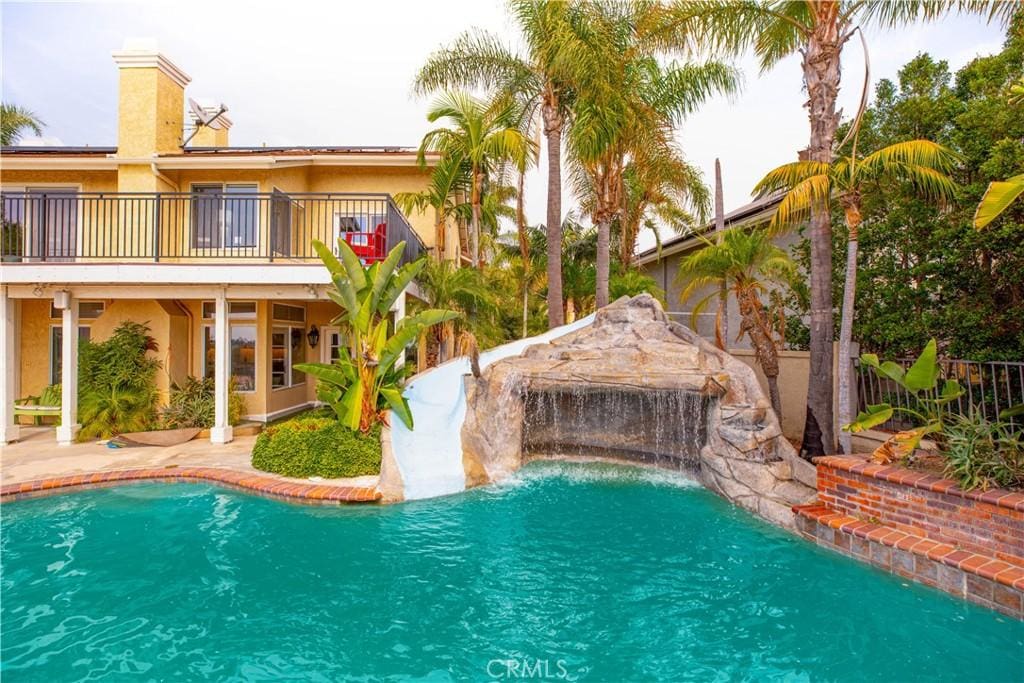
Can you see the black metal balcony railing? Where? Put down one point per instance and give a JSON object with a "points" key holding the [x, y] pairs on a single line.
{"points": [[81, 227]]}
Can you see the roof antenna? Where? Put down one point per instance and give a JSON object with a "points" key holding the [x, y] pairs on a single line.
{"points": [[203, 117]]}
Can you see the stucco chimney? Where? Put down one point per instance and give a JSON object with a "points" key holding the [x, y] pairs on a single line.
{"points": [[151, 100]]}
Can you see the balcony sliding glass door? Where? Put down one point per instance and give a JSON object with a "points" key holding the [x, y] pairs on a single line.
{"points": [[225, 216]]}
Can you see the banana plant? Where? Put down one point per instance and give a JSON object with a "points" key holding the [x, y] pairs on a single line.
{"points": [[920, 380], [364, 381]]}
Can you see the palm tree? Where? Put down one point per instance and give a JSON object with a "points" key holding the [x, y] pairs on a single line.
{"points": [[625, 110], [811, 185], [463, 290], [14, 121], [448, 182], [746, 263], [483, 136], [540, 78], [817, 30]]}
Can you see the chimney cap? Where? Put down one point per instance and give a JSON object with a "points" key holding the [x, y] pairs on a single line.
{"points": [[142, 53]]}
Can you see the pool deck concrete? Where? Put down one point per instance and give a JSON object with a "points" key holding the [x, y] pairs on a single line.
{"points": [[37, 465]]}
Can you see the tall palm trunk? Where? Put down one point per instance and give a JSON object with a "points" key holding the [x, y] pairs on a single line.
{"points": [[439, 236], [474, 227], [553, 132], [821, 69], [851, 206], [755, 324], [604, 226], [722, 319]]}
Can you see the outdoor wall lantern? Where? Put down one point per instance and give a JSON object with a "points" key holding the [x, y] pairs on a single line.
{"points": [[313, 336]]}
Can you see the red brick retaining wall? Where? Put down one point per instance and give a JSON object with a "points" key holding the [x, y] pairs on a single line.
{"points": [[987, 522], [266, 485]]}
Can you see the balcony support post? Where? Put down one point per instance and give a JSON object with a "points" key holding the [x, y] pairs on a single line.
{"points": [[221, 431], [68, 429], [9, 359]]}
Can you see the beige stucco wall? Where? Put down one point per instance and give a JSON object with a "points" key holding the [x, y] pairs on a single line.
{"points": [[794, 376]]}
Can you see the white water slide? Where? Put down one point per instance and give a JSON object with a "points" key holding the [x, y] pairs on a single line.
{"points": [[430, 456]]}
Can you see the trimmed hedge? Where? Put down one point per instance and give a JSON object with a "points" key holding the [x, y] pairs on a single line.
{"points": [[316, 447]]}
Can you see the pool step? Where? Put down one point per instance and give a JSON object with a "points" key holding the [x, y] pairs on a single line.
{"points": [[985, 580]]}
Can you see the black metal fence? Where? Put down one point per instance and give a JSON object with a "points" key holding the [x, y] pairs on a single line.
{"points": [[989, 386], [218, 222]]}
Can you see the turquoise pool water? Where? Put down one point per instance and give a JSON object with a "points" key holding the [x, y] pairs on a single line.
{"points": [[570, 572]]}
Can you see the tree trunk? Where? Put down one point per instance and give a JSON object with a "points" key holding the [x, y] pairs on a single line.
{"points": [[474, 227], [846, 323], [767, 355], [773, 396], [553, 133], [723, 292], [526, 308], [821, 69], [439, 236], [603, 262], [524, 243]]}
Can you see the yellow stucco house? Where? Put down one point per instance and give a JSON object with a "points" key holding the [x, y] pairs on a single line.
{"points": [[208, 244]]}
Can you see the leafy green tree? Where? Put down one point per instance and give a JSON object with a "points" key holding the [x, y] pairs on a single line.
{"points": [[925, 271], [625, 110], [15, 121], [117, 391], [817, 30], [465, 291], [481, 135], [747, 263], [365, 376], [448, 181], [813, 184], [540, 78]]}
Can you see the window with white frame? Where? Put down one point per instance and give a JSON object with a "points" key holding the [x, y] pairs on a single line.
{"points": [[87, 310], [287, 346], [225, 215], [242, 334]]}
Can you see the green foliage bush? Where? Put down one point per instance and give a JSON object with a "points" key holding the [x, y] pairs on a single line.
{"points": [[317, 447], [925, 271], [117, 383], [192, 404], [981, 453]]}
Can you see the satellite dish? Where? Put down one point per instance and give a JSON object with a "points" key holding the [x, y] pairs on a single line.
{"points": [[203, 117]]}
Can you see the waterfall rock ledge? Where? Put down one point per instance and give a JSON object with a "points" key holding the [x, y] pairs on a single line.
{"points": [[636, 386]]}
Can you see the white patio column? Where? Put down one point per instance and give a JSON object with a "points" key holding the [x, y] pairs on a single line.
{"points": [[221, 431], [68, 429], [9, 355]]}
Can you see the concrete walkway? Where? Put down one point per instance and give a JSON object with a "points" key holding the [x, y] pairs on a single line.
{"points": [[38, 457]]}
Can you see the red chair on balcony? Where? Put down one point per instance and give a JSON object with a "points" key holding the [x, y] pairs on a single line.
{"points": [[370, 247]]}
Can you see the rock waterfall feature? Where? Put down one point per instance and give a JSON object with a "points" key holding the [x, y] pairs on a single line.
{"points": [[635, 386]]}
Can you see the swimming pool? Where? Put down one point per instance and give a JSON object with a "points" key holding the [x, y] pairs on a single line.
{"points": [[567, 572]]}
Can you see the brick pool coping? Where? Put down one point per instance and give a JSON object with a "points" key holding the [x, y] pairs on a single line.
{"points": [[260, 484], [920, 480], [921, 527]]}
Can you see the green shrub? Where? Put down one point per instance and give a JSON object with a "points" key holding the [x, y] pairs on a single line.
{"points": [[191, 404], [117, 383], [317, 447], [982, 453]]}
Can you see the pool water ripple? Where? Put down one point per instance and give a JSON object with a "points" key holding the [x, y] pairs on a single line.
{"points": [[602, 572]]}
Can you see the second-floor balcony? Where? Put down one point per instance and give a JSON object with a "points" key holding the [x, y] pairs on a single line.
{"points": [[209, 224]]}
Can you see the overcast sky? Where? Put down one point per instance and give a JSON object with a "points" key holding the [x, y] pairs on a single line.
{"points": [[339, 73]]}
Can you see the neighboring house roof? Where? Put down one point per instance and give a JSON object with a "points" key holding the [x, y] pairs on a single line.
{"points": [[759, 209], [58, 151]]}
